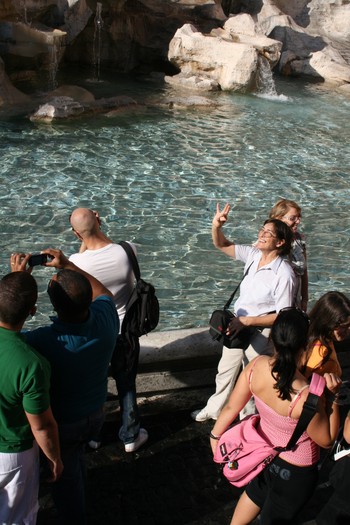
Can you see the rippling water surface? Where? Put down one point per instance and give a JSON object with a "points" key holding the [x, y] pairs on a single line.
{"points": [[155, 177]]}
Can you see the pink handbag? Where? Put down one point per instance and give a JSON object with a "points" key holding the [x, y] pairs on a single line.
{"points": [[245, 452]]}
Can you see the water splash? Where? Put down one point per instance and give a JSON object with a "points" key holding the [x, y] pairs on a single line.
{"points": [[265, 84], [23, 7], [96, 48], [53, 64]]}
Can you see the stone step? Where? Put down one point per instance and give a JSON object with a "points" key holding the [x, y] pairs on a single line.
{"points": [[175, 359]]}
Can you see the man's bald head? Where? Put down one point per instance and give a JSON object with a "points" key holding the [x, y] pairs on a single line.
{"points": [[84, 222]]}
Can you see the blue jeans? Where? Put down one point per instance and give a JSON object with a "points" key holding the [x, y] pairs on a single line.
{"points": [[68, 492], [124, 370]]}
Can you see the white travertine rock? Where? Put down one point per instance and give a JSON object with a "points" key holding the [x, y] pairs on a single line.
{"points": [[229, 59], [64, 107], [308, 50], [192, 82], [57, 108], [232, 65], [344, 89], [242, 24], [322, 65]]}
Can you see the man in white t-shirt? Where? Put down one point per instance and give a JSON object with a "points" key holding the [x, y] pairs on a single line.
{"points": [[109, 263]]}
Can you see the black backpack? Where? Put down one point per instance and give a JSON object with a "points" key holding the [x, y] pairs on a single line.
{"points": [[142, 308]]}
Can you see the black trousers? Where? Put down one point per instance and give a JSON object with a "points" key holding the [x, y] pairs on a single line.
{"points": [[337, 509]]}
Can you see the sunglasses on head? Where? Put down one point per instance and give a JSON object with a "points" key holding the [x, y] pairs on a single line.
{"points": [[295, 309]]}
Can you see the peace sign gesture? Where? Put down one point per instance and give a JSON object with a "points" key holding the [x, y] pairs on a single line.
{"points": [[220, 217]]}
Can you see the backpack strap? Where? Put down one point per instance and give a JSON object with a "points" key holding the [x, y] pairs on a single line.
{"points": [[132, 259], [315, 391]]}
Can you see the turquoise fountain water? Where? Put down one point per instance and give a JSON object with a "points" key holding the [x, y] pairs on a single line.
{"points": [[155, 177]]}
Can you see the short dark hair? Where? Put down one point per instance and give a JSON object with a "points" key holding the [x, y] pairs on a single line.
{"points": [[289, 335], [283, 233], [70, 293], [18, 295]]}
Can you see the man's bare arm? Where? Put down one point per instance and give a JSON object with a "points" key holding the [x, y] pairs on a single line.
{"points": [[45, 432]]}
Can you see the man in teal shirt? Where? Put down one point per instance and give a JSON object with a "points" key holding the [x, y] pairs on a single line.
{"points": [[78, 344]]}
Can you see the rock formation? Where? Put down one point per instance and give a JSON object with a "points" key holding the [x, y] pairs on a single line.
{"points": [[226, 56], [211, 44], [309, 39], [315, 37], [60, 106]]}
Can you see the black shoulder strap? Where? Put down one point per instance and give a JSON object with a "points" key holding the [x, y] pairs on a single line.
{"points": [[227, 305], [132, 259], [307, 414]]}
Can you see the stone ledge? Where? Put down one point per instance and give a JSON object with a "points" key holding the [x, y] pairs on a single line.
{"points": [[185, 359], [177, 344], [175, 359]]}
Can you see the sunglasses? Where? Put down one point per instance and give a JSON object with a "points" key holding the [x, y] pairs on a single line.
{"points": [[295, 309]]}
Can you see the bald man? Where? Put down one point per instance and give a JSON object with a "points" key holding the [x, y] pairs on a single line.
{"points": [[109, 263]]}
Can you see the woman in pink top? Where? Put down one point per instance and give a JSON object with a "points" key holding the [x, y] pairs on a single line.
{"points": [[279, 390]]}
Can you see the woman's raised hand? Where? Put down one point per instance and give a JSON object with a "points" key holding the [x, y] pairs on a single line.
{"points": [[220, 217]]}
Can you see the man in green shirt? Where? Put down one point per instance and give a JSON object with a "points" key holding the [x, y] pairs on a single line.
{"points": [[26, 419]]}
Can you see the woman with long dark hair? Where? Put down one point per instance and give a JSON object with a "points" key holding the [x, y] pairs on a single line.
{"points": [[329, 322], [279, 391]]}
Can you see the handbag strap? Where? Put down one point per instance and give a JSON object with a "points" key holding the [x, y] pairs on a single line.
{"points": [[132, 259], [315, 391], [227, 305]]}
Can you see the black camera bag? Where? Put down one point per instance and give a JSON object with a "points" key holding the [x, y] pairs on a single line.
{"points": [[218, 324], [220, 320]]}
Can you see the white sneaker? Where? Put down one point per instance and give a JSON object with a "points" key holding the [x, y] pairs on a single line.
{"points": [[94, 444], [139, 441], [201, 415]]}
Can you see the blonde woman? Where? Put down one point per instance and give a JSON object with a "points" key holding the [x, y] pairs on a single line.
{"points": [[290, 213]]}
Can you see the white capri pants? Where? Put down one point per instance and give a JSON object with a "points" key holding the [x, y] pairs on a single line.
{"points": [[229, 367], [19, 487]]}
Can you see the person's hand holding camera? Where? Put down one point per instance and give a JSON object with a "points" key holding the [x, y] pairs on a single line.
{"points": [[19, 262], [56, 259]]}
